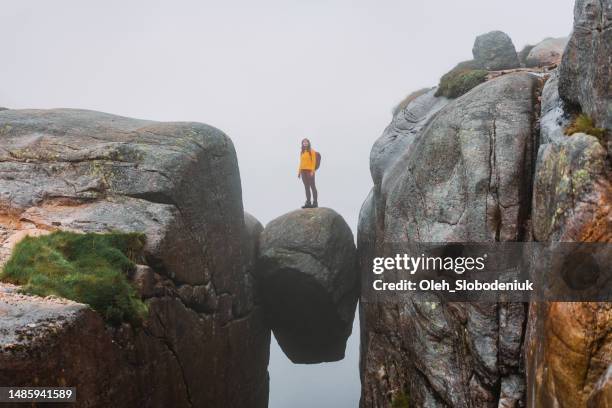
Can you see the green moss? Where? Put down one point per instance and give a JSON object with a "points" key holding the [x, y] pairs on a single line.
{"points": [[400, 400], [461, 79], [583, 123], [87, 268]]}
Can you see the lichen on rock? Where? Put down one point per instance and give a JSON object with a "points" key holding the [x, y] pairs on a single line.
{"points": [[204, 342]]}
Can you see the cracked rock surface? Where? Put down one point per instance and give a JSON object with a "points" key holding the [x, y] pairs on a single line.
{"points": [[568, 348], [460, 179], [204, 342], [586, 67]]}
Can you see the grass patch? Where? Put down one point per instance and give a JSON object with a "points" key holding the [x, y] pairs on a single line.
{"points": [[87, 268], [400, 400], [461, 79], [583, 123]]}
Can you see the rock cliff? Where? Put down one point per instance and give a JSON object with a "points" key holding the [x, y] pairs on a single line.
{"points": [[586, 67], [458, 180], [494, 165], [204, 342], [569, 345]]}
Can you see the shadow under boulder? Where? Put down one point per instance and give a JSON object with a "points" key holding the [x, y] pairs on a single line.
{"points": [[309, 283]]}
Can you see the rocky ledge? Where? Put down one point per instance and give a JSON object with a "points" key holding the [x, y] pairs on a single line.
{"points": [[204, 342]]}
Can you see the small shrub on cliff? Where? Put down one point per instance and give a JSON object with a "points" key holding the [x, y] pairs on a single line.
{"points": [[87, 268], [461, 79], [584, 124], [400, 400]]}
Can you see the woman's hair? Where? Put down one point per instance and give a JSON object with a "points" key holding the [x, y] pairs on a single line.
{"points": [[302, 145]]}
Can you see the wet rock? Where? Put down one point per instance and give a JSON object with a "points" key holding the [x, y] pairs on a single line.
{"points": [[400, 133], [601, 396], [309, 283], [466, 168], [512, 393], [553, 118], [461, 179], [205, 342], [568, 352], [494, 51], [586, 69], [572, 191]]}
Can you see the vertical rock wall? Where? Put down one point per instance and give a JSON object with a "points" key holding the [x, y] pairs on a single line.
{"points": [[204, 343], [463, 178]]}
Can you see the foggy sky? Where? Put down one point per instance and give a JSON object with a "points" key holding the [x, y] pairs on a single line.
{"points": [[267, 73]]}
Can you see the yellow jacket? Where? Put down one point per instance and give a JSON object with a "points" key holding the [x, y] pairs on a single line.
{"points": [[308, 160]]}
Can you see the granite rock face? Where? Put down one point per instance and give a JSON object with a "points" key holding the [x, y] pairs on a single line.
{"points": [[463, 173], [586, 68], [495, 51], [572, 191], [205, 342], [601, 396], [568, 350], [406, 124], [309, 283], [553, 118], [569, 354], [546, 53], [458, 180]]}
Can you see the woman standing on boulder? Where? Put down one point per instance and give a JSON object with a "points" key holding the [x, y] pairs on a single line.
{"points": [[308, 165]]}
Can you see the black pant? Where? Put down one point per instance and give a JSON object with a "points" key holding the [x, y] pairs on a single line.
{"points": [[308, 178]]}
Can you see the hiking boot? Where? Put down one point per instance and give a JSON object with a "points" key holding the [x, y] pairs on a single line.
{"points": [[315, 205], [307, 205]]}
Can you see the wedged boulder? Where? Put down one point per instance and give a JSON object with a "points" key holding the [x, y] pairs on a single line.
{"points": [[586, 67], [495, 51], [546, 53], [204, 342], [463, 178], [309, 283]]}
